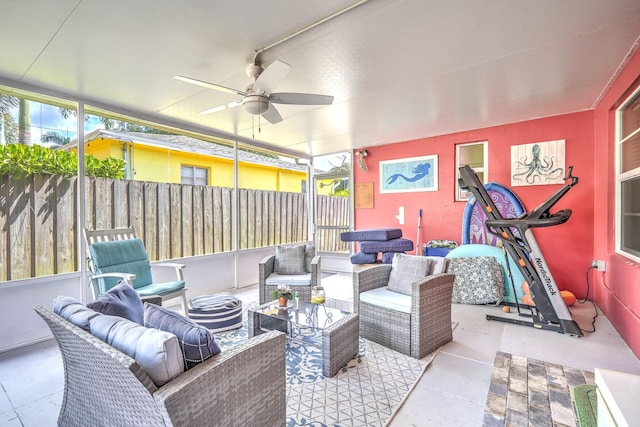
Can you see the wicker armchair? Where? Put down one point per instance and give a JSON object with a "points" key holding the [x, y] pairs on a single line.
{"points": [[244, 385], [414, 325], [269, 277]]}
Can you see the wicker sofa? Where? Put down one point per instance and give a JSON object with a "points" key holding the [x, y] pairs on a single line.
{"points": [[244, 385], [415, 324]]}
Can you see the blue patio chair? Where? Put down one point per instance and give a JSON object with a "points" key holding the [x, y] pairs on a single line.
{"points": [[117, 254]]}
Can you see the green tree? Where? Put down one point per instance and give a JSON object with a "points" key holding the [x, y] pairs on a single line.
{"points": [[18, 160], [8, 125], [24, 122], [55, 138]]}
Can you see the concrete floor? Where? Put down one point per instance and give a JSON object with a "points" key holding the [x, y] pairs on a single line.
{"points": [[452, 391]]}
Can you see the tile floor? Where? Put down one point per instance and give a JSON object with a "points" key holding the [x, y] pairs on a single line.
{"points": [[452, 392]]}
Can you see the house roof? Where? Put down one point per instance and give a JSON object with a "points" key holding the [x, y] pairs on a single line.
{"points": [[188, 144]]}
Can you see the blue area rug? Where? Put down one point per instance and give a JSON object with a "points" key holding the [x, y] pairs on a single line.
{"points": [[366, 392]]}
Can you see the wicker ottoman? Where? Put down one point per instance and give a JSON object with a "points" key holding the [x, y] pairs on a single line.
{"points": [[219, 312]]}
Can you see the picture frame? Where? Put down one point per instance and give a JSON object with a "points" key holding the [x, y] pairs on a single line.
{"points": [[409, 175], [538, 163]]}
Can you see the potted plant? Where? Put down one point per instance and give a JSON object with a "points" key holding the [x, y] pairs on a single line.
{"points": [[283, 293]]}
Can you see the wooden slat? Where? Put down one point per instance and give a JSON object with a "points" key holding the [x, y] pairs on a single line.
{"points": [[187, 218], [197, 221], [176, 220], [218, 220], [44, 211], [150, 219], [207, 219], [164, 221], [20, 257]]}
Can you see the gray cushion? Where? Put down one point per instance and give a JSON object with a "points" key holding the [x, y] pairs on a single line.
{"points": [[121, 300], [74, 311], [376, 234], [276, 279], [197, 342], [157, 352], [362, 258], [438, 265], [394, 245], [309, 254], [290, 259], [478, 280], [407, 269]]}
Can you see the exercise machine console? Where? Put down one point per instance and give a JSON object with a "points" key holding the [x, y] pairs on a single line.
{"points": [[550, 311]]}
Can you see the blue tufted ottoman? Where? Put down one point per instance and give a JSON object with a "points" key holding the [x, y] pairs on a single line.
{"points": [[219, 312]]}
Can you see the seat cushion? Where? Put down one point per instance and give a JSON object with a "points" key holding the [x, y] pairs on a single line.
{"points": [[383, 297], [196, 341], [407, 269], [121, 300], [217, 313], [275, 279], [478, 280], [157, 352], [290, 259], [362, 258], [160, 288], [374, 234], [394, 245]]}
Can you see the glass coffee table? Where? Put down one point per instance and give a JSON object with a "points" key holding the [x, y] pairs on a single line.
{"points": [[337, 331]]}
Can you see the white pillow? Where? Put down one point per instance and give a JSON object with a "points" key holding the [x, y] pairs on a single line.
{"points": [[157, 352]]}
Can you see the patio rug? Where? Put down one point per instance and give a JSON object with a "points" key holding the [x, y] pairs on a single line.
{"points": [[532, 392], [367, 392]]}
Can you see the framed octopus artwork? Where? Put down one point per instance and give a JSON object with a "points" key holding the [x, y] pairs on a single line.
{"points": [[539, 163]]}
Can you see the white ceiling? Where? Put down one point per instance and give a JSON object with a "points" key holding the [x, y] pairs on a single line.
{"points": [[398, 69]]}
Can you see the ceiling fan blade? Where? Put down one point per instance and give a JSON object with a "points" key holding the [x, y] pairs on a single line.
{"points": [[210, 85], [271, 77], [272, 115], [221, 107], [300, 98]]}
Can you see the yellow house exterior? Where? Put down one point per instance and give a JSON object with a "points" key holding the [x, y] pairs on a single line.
{"points": [[164, 158]]}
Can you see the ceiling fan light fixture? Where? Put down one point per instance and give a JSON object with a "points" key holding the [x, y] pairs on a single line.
{"points": [[255, 104]]}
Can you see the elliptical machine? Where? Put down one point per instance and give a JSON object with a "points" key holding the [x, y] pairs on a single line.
{"points": [[550, 311]]}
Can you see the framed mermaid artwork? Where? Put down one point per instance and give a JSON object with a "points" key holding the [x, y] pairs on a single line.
{"points": [[539, 163], [409, 175]]}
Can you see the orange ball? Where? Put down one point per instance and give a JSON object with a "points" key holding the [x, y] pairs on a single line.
{"points": [[506, 309], [568, 297]]}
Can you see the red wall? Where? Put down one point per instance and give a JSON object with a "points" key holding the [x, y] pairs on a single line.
{"points": [[568, 248], [617, 289]]}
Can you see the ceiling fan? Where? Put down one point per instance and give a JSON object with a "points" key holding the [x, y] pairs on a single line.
{"points": [[258, 97]]}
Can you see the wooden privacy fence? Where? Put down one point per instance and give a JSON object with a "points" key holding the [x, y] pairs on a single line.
{"points": [[39, 231]]}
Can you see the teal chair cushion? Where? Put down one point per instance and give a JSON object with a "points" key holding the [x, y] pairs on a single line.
{"points": [[160, 288], [121, 256]]}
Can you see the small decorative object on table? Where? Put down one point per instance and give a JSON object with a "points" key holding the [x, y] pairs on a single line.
{"points": [[283, 294], [318, 298], [317, 295]]}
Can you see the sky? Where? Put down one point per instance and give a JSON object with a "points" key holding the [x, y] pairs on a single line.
{"points": [[46, 118]]}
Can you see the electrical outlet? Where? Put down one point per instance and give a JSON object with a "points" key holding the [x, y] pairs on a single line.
{"points": [[598, 264]]}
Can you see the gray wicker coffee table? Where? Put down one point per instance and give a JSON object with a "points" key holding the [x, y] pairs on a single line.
{"points": [[338, 330]]}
